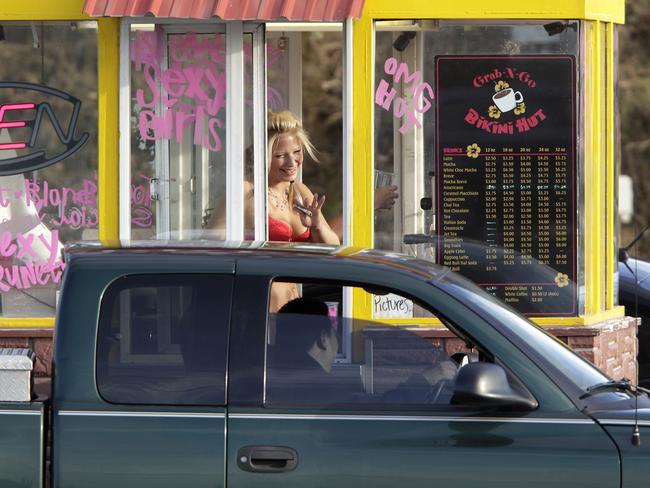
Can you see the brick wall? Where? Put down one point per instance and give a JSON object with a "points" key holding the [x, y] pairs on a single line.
{"points": [[610, 345], [40, 341]]}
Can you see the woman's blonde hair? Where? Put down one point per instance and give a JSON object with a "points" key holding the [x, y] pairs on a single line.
{"points": [[285, 123]]}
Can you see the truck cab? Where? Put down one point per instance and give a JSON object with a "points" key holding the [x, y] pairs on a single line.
{"points": [[171, 368]]}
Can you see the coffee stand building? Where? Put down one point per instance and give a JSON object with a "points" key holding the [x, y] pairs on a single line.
{"points": [[133, 119]]}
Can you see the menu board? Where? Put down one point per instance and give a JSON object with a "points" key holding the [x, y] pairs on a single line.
{"points": [[506, 177]]}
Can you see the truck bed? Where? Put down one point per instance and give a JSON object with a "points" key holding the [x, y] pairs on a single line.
{"points": [[22, 441]]}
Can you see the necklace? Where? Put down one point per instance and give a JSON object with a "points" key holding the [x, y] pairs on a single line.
{"points": [[281, 202]]}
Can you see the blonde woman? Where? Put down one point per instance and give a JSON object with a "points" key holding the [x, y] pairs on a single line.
{"points": [[294, 212]]}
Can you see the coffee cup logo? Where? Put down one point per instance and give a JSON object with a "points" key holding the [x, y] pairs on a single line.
{"points": [[506, 100]]}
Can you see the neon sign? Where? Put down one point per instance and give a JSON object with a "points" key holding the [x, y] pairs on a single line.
{"points": [[38, 159]]}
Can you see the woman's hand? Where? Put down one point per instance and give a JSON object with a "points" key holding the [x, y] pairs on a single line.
{"points": [[314, 208], [385, 197]]}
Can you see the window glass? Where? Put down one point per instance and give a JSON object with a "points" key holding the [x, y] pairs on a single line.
{"points": [[178, 129], [304, 76], [48, 156], [476, 156], [163, 340], [389, 367]]}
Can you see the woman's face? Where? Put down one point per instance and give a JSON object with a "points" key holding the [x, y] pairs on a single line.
{"points": [[286, 158]]}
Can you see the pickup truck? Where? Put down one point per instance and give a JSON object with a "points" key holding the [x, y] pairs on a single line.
{"points": [[171, 368]]}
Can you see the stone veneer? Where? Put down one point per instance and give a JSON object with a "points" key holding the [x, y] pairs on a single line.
{"points": [[610, 345]]}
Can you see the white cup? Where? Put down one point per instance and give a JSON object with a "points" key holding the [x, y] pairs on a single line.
{"points": [[507, 99]]}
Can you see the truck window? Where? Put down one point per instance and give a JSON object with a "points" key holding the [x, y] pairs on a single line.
{"points": [[163, 339], [397, 360]]}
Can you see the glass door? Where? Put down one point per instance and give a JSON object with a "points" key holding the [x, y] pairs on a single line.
{"points": [[191, 100]]}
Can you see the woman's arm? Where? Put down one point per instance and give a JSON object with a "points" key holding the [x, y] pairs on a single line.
{"points": [[320, 229]]}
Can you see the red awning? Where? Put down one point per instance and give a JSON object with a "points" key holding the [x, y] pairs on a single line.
{"points": [[295, 10]]}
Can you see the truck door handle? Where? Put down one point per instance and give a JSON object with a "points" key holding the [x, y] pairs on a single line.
{"points": [[267, 459]]}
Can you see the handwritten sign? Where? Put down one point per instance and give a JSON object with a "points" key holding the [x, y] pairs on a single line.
{"points": [[75, 207], [420, 94], [192, 88], [391, 306], [35, 270], [141, 213]]}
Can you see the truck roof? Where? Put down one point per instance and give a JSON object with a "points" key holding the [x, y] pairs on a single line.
{"points": [[257, 250]]}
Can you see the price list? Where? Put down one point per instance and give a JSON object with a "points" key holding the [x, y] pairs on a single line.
{"points": [[505, 177]]}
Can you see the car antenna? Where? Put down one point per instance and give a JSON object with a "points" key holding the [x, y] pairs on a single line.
{"points": [[636, 435], [623, 256], [624, 252]]}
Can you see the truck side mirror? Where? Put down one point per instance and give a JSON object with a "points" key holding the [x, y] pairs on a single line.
{"points": [[486, 384]]}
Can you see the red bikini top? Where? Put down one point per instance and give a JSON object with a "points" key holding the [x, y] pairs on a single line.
{"points": [[279, 230]]}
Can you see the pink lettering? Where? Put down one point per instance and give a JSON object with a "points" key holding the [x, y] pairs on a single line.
{"points": [[390, 66], [52, 246], [472, 116], [419, 97], [7, 247], [194, 76], [142, 217], [383, 97], [28, 275], [13, 277], [3, 286], [174, 83], [153, 86], [192, 85], [215, 143], [25, 245]]}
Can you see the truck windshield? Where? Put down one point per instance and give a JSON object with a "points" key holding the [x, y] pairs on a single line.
{"points": [[549, 351]]}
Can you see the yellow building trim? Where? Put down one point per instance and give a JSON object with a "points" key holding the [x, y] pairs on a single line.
{"points": [[362, 150], [582, 320], [596, 229], [72, 10], [42, 10], [613, 313], [362, 133], [612, 259], [26, 322], [108, 108], [593, 209], [416, 322], [605, 10]]}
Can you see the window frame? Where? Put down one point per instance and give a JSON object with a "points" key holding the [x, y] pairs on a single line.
{"points": [[458, 333], [582, 144], [162, 282], [234, 33]]}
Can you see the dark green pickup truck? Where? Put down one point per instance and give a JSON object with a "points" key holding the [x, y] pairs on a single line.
{"points": [[209, 367]]}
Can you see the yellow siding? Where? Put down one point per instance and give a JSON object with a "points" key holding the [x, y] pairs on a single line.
{"points": [[108, 107], [605, 10], [42, 10], [612, 259], [362, 150]]}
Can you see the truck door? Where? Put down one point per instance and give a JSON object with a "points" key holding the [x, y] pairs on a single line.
{"points": [[158, 417], [384, 417]]}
